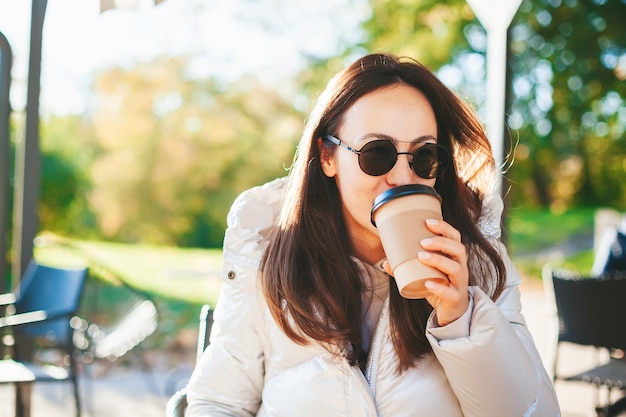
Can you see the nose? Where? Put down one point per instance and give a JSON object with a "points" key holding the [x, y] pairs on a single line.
{"points": [[402, 173]]}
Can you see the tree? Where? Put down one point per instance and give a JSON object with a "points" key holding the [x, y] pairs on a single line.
{"points": [[569, 66], [174, 151], [428, 30], [66, 157], [164, 152]]}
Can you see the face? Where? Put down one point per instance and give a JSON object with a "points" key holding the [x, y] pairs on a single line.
{"points": [[397, 113]]}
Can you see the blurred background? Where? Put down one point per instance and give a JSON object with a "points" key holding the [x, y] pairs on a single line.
{"points": [[155, 115]]}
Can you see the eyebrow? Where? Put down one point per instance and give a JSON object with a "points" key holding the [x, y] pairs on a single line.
{"points": [[419, 139]]}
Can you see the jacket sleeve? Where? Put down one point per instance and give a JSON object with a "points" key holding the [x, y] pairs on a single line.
{"points": [[488, 354], [228, 378]]}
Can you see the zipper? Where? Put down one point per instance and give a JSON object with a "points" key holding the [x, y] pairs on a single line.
{"points": [[375, 347]]}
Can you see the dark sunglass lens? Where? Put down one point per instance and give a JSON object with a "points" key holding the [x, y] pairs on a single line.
{"points": [[427, 160], [377, 157]]}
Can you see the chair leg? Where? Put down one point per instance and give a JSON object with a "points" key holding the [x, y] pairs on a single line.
{"points": [[76, 397], [555, 360], [23, 396], [74, 379]]}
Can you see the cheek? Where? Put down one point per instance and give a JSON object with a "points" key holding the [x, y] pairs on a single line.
{"points": [[357, 190], [357, 196], [359, 206]]}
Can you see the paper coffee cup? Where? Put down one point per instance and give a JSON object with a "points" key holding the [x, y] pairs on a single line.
{"points": [[400, 215]]}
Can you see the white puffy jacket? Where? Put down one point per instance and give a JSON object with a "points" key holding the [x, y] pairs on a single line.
{"points": [[485, 364]]}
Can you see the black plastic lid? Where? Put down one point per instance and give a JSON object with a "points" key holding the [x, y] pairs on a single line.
{"points": [[401, 191]]}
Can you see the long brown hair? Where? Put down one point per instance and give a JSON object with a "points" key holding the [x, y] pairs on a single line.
{"points": [[312, 286]]}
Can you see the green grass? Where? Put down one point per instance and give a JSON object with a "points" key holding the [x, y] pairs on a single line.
{"points": [[192, 275], [181, 280], [532, 230], [531, 267], [178, 280], [185, 274]]}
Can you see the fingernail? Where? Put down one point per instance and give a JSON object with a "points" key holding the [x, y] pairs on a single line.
{"points": [[423, 255], [432, 221], [426, 242], [429, 284]]}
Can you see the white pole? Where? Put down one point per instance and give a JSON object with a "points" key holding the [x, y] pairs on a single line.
{"points": [[496, 16], [496, 92]]}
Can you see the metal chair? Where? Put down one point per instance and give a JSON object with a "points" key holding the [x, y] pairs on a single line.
{"points": [[116, 317], [177, 403], [39, 317], [115, 321], [592, 312]]}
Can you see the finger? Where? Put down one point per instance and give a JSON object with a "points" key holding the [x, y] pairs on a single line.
{"points": [[448, 256], [447, 246], [443, 228], [448, 303], [450, 267], [438, 289]]}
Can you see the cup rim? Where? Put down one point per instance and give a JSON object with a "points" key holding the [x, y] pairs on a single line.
{"points": [[401, 191]]}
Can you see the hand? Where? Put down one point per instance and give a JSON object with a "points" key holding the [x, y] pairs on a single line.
{"points": [[446, 253]]}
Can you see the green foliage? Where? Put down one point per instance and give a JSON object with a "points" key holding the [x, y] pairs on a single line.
{"points": [[427, 30], [169, 153], [163, 154], [569, 68], [65, 159]]}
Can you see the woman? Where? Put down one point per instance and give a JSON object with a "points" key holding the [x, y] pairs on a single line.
{"points": [[308, 322]]}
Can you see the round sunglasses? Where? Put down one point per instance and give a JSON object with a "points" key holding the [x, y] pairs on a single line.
{"points": [[379, 156]]}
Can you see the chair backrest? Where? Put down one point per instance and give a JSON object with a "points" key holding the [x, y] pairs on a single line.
{"points": [[55, 291], [177, 403], [136, 325], [591, 310]]}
